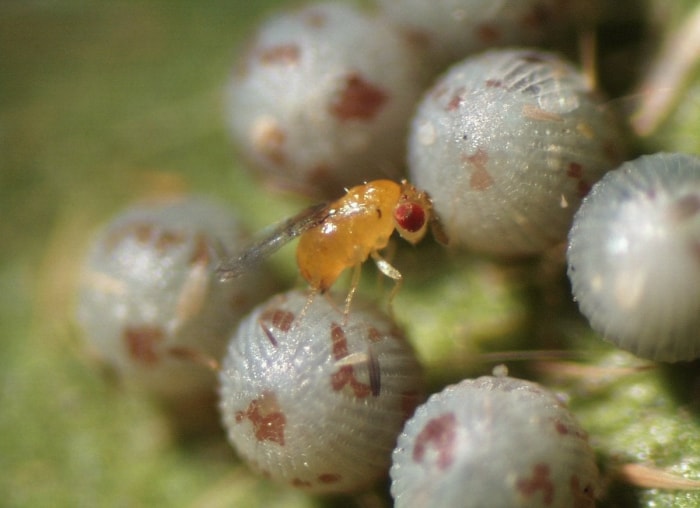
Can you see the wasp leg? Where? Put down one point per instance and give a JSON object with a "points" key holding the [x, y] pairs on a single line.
{"points": [[390, 271], [354, 282]]}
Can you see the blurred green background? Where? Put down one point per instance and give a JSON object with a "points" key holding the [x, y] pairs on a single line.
{"points": [[106, 102]]}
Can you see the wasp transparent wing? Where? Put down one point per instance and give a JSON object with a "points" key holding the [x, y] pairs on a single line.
{"points": [[270, 242]]}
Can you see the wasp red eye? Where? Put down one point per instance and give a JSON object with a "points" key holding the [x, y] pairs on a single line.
{"points": [[410, 217]]}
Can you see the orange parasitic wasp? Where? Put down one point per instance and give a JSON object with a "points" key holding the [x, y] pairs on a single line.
{"points": [[344, 233]]}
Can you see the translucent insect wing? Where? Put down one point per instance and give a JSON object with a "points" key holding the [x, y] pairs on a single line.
{"points": [[271, 242]]}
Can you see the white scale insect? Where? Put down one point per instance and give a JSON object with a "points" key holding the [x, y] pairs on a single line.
{"points": [[300, 407], [493, 441], [149, 302], [634, 257], [507, 143], [348, 76]]}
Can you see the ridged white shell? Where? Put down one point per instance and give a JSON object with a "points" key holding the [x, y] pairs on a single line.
{"points": [[323, 98], [452, 29], [148, 293], [507, 143], [634, 257], [315, 402], [493, 441]]}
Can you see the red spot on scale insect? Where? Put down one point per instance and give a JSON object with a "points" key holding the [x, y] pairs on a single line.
{"points": [[329, 478], [494, 83], [566, 429], [345, 375], [283, 54], [480, 178], [316, 18], [280, 319], [359, 100], [439, 435], [142, 343], [300, 484], [146, 233], [267, 418], [269, 140], [575, 171], [168, 239], [540, 481], [454, 103]]}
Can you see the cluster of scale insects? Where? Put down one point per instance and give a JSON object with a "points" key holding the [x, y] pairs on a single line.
{"points": [[502, 149]]}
